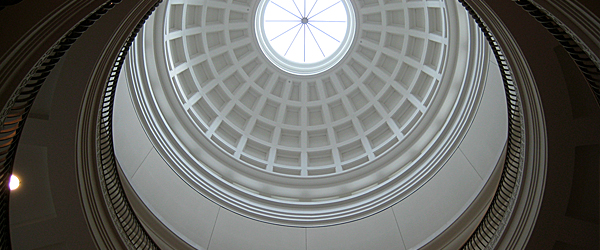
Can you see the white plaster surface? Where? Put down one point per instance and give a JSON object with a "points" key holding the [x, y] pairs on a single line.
{"points": [[490, 121], [236, 232], [182, 209], [376, 232], [131, 144], [437, 202], [418, 218]]}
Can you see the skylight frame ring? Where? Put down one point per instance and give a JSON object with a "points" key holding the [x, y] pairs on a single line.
{"points": [[305, 69]]}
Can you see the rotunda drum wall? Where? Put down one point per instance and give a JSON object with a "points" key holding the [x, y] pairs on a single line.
{"points": [[372, 123]]}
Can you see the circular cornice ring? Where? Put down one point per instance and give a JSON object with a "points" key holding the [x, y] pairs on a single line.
{"points": [[192, 79]]}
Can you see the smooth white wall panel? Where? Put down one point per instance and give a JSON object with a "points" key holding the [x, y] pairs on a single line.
{"points": [[490, 123], [233, 231], [131, 143], [433, 206], [182, 209], [376, 232]]}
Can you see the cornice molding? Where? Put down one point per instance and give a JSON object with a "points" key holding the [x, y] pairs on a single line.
{"points": [[102, 218], [516, 227], [464, 224], [160, 119]]}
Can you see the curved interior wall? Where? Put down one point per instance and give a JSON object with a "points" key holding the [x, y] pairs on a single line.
{"points": [[470, 166], [308, 151], [412, 222], [569, 128]]}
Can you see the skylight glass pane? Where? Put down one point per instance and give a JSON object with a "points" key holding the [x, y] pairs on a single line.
{"points": [[306, 31]]}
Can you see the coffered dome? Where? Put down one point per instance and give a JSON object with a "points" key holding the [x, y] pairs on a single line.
{"points": [[307, 143]]}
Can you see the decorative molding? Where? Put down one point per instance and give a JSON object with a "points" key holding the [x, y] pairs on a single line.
{"points": [[95, 154], [303, 200], [511, 218], [518, 227], [465, 223]]}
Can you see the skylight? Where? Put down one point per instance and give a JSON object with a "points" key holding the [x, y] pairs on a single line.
{"points": [[305, 37]]}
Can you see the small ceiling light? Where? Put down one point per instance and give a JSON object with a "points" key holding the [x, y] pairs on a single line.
{"points": [[14, 182]]}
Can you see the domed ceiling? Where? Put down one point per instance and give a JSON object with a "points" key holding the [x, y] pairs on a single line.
{"points": [[373, 113]]}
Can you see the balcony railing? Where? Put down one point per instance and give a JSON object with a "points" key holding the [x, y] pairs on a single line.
{"points": [[132, 231], [503, 200], [15, 114]]}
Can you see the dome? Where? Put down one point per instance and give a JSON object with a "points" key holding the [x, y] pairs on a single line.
{"points": [[67, 143], [292, 148]]}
